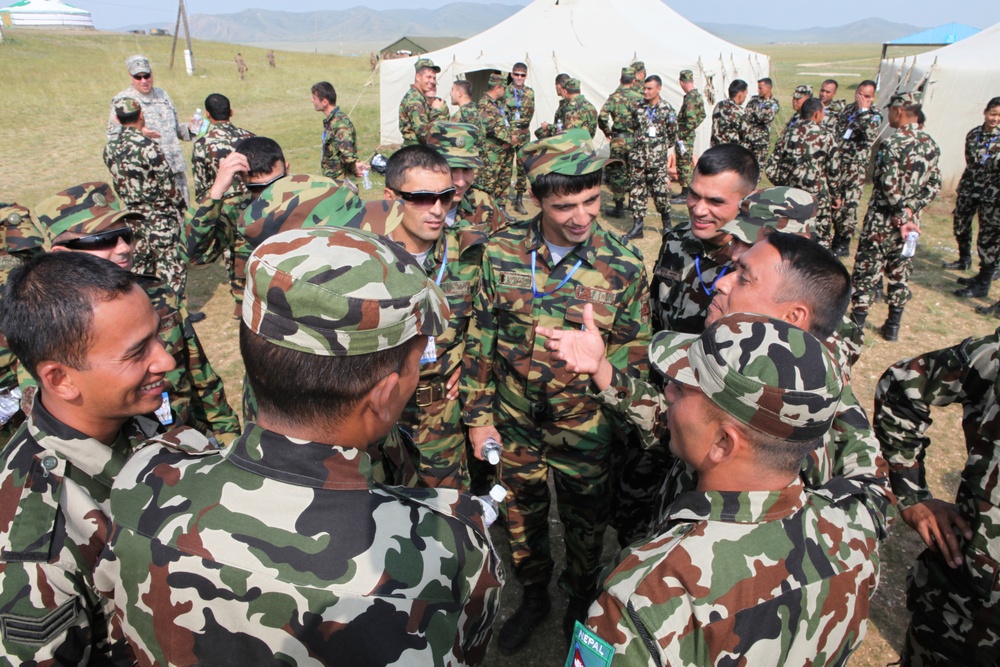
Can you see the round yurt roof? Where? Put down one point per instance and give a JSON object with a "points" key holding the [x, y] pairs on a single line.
{"points": [[47, 13]]}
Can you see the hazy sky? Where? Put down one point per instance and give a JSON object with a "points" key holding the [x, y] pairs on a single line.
{"points": [[110, 14]]}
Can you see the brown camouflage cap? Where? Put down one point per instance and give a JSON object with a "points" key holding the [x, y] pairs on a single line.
{"points": [[570, 153], [768, 374], [905, 99], [783, 209], [687, 75], [124, 105], [457, 143], [572, 86], [496, 79], [802, 91], [300, 200], [138, 65], [425, 62], [628, 71], [639, 66], [19, 231], [339, 292], [83, 209]]}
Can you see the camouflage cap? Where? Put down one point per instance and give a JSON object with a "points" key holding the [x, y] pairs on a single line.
{"points": [[687, 75], [125, 105], [784, 209], [570, 153], [638, 66], [628, 71], [905, 99], [425, 62], [768, 374], [457, 143], [300, 200], [19, 232], [83, 209], [572, 86], [339, 292], [496, 79], [138, 65], [802, 91]]}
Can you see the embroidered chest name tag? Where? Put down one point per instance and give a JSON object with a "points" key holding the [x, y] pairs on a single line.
{"points": [[595, 295], [456, 288], [511, 279]]}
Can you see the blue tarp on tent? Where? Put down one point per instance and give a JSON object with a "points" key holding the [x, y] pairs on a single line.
{"points": [[948, 33]]}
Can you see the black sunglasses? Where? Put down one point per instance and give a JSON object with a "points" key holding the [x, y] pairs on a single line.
{"points": [[141, 77], [424, 198], [260, 186], [519, 74], [101, 240]]}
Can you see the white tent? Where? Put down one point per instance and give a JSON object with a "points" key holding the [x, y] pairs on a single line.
{"points": [[956, 81], [47, 14], [590, 40]]}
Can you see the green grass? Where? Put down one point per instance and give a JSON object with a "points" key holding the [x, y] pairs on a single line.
{"points": [[54, 101]]}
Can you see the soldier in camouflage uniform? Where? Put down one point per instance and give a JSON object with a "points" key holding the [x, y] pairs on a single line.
{"points": [[677, 598], [471, 206], [57, 472], [547, 129], [87, 218], [905, 181], [217, 143], [419, 106], [799, 96], [542, 272], [807, 160], [953, 592], [324, 559], [496, 148], [617, 123], [339, 160], [689, 119], [162, 124], [728, 124], [831, 108], [141, 176], [468, 110], [576, 112], [760, 113], [520, 102], [857, 129], [653, 160]]}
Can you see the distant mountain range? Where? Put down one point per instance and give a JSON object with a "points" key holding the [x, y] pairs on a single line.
{"points": [[375, 28]]}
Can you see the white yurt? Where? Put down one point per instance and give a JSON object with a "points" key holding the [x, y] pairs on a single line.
{"points": [[45, 14]]}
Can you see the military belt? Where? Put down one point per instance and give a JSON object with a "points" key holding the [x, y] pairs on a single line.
{"points": [[538, 409], [429, 393]]}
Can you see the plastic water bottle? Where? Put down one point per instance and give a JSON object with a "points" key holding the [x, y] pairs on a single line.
{"points": [[201, 122], [10, 403], [197, 116], [559, 126], [491, 504], [491, 451], [366, 181], [910, 247]]}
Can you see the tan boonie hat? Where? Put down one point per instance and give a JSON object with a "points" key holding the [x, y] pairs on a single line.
{"points": [[572, 86], [802, 91], [905, 99], [783, 209], [768, 374], [339, 292], [570, 153], [138, 65], [126, 105], [457, 143], [425, 62], [687, 75], [84, 209]]}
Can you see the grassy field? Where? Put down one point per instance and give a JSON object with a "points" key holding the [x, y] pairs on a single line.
{"points": [[54, 102]]}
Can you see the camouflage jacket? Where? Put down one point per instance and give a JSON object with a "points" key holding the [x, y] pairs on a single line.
{"points": [[211, 226], [577, 112], [477, 209], [340, 142], [761, 578], [317, 561], [557, 125], [982, 158], [728, 124], [416, 116], [831, 113], [758, 116], [510, 359], [655, 134], [498, 135], [808, 160], [520, 109], [855, 132], [209, 150], [53, 524], [161, 116], [906, 174], [691, 115], [469, 113], [141, 175], [616, 118]]}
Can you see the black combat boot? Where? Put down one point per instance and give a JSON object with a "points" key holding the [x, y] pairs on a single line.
{"points": [[665, 220], [993, 310], [841, 246], [618, 211], [634, 233], [963, 263], [890, 330], [519, 204], [980, 283], [681, 197], [535, 607], [859, 317]]}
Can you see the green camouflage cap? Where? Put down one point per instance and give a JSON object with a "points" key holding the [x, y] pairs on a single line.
{"points": [[496, 79], [639, 66], [628, 71], [768, 374], [570, 153], [19, 231], [905, 99], [340, 293], [87, 208], [138, 65], [687, 75], [300, 200], [124, 105], [457, 143], [572, 86], [425, 62], [783, 209], [802, 91]]}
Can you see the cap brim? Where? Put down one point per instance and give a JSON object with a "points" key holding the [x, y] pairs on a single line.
{"points": [[108, 221], [668, 353], [467, 162]]}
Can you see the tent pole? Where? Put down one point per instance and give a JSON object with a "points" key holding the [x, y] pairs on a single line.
{"points": [[177, 29]]}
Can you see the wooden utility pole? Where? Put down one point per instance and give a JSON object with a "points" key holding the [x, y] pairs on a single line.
{"points": [[189, 53]]}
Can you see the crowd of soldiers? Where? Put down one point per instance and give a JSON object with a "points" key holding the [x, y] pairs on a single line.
{"points": [[406, 355]]}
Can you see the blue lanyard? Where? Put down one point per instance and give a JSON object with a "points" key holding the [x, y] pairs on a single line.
{"points": [[986, 145], [651, 115], [534, 286], [444, 262], [517, 99], [708, 290]]}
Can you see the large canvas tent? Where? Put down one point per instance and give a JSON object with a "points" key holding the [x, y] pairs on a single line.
{"points": [[956, 81], [590, 40], [47, 14]]}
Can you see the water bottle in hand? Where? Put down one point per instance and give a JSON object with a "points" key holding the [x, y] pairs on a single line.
{"points": [[491, 451], [910, 246], [366, 181]]}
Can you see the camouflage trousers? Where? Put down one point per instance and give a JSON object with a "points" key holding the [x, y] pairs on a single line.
{"points": [[236, 268], [649, 182], [879, 252], [616, 175], [758, 143], [685, 163], [985, 202], [956, 612], [824, 221], [845, 219], [520, 176], [437, 431], [494, 177], [968, 200], [575, 450], [158, 250]]}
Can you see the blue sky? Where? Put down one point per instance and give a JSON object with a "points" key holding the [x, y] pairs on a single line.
{"points": [[110, 14]]}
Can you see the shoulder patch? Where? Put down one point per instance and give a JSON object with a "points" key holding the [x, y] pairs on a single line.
{"points": [[587, 649]]}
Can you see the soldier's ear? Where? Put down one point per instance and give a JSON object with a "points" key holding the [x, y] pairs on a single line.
{"points": [[728, 444], [796, 314], [381, 400], [57, 380]]}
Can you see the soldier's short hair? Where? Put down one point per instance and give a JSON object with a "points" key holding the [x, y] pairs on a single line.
{"points": [[324, 90], [262, 154], [730, 157], [810, 107], [769, 452], [836, 85], [519, 67], [766, 81], [737, 87], [47, 312], [866, 82], [217, 107], [416, 156], [465, 86], [562, 184], [995, 102], [656, 78], [812, 274], [626, 79], [127, 118], [561, 79], [921, 116]]}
